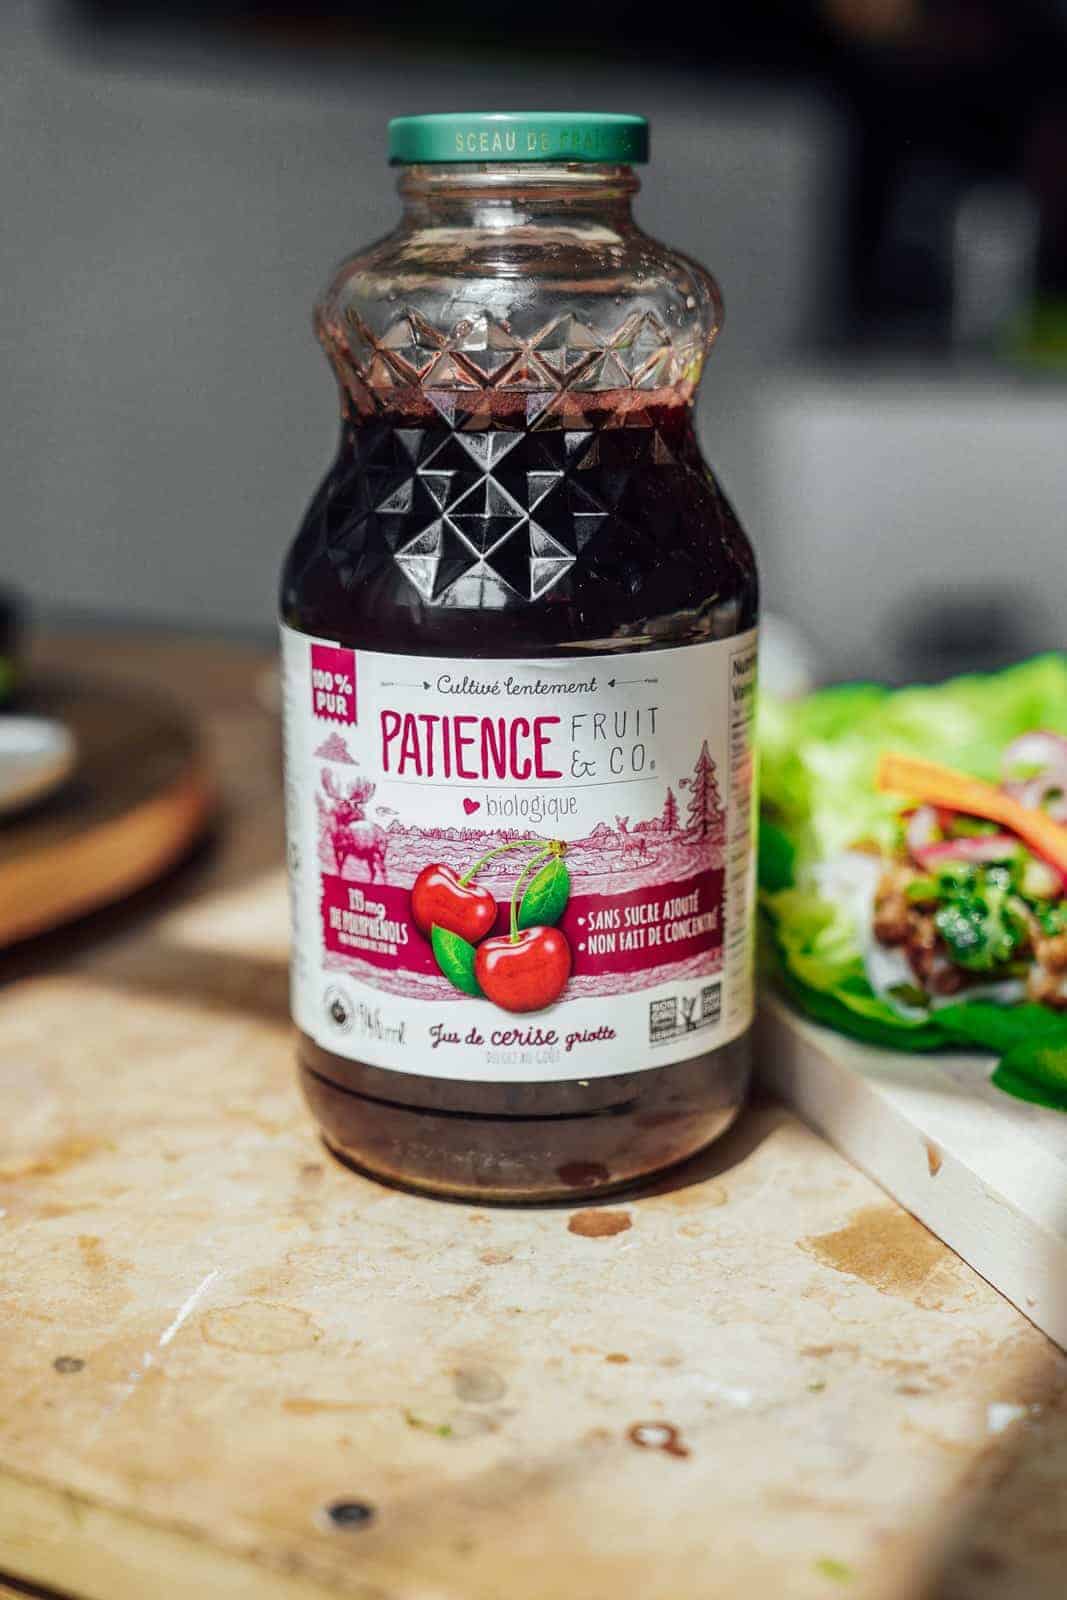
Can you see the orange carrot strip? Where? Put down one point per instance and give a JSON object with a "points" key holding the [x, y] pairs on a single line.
{"points": [[932, 784]]}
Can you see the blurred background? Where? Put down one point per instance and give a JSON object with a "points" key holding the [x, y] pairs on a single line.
{"points": [[879, 185]]}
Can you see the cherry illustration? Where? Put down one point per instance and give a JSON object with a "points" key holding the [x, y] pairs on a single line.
{"points": [[524, 971], [453, 900], [439, 895]]}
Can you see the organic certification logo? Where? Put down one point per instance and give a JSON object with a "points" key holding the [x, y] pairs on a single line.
{"points": [[338, 1008]]}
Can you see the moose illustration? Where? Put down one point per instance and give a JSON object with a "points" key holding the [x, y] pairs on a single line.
{"points": [[630, 843], [352, 837]]}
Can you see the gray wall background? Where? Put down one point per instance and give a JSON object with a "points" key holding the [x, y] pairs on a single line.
{"points": [[167, 221]]}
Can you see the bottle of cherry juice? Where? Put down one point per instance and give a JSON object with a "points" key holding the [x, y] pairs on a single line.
{"points": [[519, 643]]}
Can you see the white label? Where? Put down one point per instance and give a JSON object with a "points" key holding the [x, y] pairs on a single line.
{"points": [[520, 870]]}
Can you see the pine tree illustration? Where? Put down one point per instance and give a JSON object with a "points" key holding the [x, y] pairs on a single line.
{"points": [[705, 810], [335, 749], [669, 819]]}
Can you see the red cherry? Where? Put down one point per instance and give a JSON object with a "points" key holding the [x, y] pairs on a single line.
{"points": [[437, 895], [526, 973]]}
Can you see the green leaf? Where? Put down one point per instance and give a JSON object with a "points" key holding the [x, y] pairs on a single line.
{"points": [[999, 1028], [887, 1029], [1023, 1088], [817, 761], [776, 857], [455, 957], [818, 754], [546, 895], [1036, 1069]]}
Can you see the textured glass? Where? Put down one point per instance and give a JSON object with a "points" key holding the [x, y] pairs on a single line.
{"points": [[517, 364], [478, 357], [474, 519]]}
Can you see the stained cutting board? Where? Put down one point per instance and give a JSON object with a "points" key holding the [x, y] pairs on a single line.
{"points": [[137, 799], [987, 1173], [759, 1377], [728, 1385]]}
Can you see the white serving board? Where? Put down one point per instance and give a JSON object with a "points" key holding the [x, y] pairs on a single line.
{"points": [[985, 1172]]}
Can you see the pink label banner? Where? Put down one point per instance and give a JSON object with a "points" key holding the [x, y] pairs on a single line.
{"points": [[333, 683], [372, 922], [648, 927], [632, 931]]}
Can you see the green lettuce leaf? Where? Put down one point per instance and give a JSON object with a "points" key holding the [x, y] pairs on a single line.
{"points": [[1036, 1070], [817, 761]]}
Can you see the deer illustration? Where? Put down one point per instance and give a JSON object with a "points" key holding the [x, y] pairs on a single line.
{"points": [[351, 835], [634, 844]]}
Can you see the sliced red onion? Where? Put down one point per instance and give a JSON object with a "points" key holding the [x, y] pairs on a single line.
{"points": [[1047, 789], [1048, 793], [923, 830], [986, 847], [1039, 748]]}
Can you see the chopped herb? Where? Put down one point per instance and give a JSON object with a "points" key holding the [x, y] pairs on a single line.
{"points": [[909, 994], [971, 828], [1053, 919], [443, 1430], [830, 1567], [983, 926], [958, 877], [898, 840]]}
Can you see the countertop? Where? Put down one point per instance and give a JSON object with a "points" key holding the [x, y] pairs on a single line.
{"points": [[758, 1376]]}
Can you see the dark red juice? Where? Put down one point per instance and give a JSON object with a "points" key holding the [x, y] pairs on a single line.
{"points": [[501, 512]]}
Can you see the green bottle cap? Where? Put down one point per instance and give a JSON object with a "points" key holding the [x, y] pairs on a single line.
{"points": [[519, 136]]}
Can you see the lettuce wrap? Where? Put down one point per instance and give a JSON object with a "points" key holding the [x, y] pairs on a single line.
{"points": [[827, 832]]}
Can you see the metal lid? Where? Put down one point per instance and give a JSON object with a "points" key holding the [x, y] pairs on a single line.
{"points": [[519, 136]]}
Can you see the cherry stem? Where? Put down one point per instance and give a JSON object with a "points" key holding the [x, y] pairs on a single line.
{"points": [[527, 872], [514, 844]]}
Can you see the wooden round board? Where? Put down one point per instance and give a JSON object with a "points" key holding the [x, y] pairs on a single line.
{"points": [[139, 796]]}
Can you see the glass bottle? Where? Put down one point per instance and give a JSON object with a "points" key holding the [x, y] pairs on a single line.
{"points": [[519, 646]]}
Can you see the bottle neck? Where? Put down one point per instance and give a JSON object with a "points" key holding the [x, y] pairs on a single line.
{"points": [[501, 195]]}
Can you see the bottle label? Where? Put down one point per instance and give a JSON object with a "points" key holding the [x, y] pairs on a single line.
{"points": [[520, 870]]}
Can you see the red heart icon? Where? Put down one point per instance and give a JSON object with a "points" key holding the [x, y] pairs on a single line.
{"points": [[471, 806]]}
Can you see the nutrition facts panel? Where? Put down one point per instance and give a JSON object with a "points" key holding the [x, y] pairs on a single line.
{"points": [[739, 952]]}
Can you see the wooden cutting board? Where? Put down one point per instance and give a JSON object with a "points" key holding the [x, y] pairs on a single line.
{"points": [[758, 1377], [987, 1173], [730, 1384], [140, 795]]}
